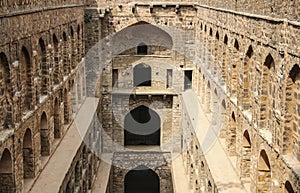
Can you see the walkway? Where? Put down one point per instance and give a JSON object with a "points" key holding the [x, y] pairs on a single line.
{"points": [[221, 168], [179, 176], [52, 176]]}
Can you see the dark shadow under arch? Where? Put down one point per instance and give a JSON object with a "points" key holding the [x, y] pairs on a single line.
{"points": [[142, 127], [288, 187], [25, 78], [141, 180], [142, 49], [142, 75], [264, 172], [44, 133], [141, 32], [57, 133], [28, 157], [7, 184]]}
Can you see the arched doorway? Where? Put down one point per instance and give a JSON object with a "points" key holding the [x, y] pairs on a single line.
{"points": [[246, 155], [66, 107], [142, 127], [44, 131], [44, 67], [5, 92], [56, 119], [141, 180], [268, 95], [25, 79], [288, 187], [28, 158], [263, 173], [246, 79], [231, 139], [292, 113], [142, 49], [57, 74], [66, 62], [7, 181], [142, 75]]}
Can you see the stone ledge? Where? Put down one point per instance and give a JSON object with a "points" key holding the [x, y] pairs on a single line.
{"points": [[224, 174], [41, 9], [52, 176]]}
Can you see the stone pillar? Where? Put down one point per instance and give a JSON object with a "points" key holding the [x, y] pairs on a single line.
{"points": [[176, 127]]}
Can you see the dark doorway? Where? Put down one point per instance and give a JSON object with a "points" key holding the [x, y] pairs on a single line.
{"points": [[142, 75], [188, 79], [142, 127], [142, 49], [141, 180]]}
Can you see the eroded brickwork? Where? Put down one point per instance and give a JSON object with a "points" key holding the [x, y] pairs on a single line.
{"points": [[244, 59], [41, 51], [156, 161]]}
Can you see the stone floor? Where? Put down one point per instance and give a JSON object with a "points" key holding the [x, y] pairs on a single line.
{"points": [[102, 176], [221, 167], [180, 178], [52, 176]]}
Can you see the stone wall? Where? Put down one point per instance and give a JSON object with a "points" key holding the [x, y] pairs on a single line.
{"points": [[254, 65], [127, 161], [199, 174], [40, 51], [243, 65], [82, 172], [271, 8]]}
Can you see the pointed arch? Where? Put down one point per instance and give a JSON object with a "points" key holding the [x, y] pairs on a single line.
{"points": [[66, 106], [44, 67], [143, 32], [246, 79], [141, 179], [26, 79], [208, 97], [236, 44], [142, 75], [225, 39], [72, 48], [264, 163], [224, 104], [269, 62], [268, 94], [232, 132], [57, 126], [223, 59], [246, 155], [263, 173], [5, 75], [209, 187], [292, 115], [44, 135], [5, 91], [6, 165], [56, 75], [210, 32], [142, 127], [234, 70], [288, 188], [7, 181], [217, 35], [66, 62], [71, 32], [79, 43], [28, 157]]}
